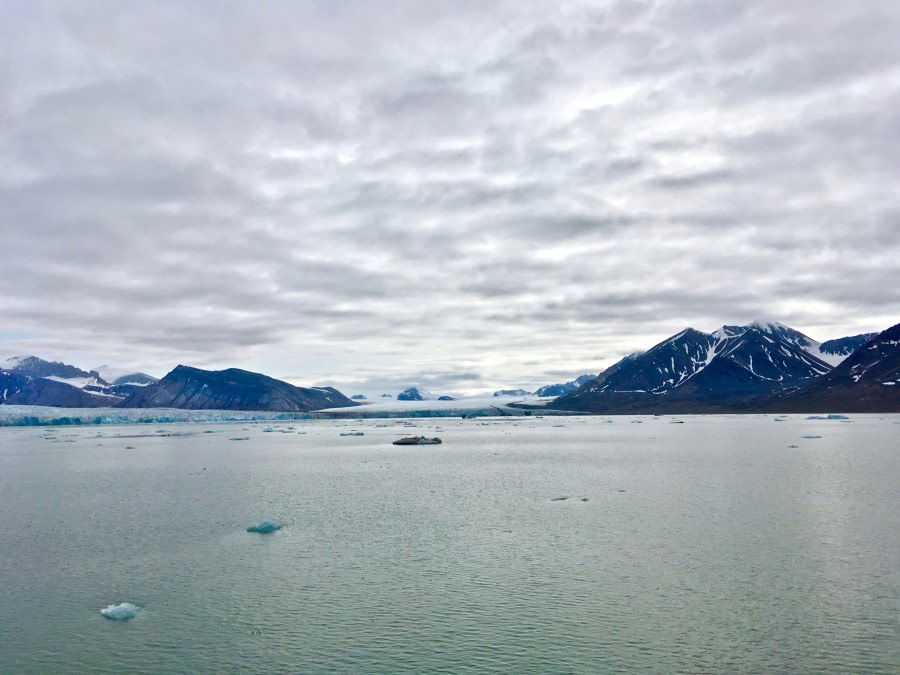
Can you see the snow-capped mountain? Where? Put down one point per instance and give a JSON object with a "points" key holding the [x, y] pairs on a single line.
{"points": [[53, 383], [732, 362], [866, 381], [32, 366], [564, 388], [122, 376], [123, 381], [47, 391], [841, 348], [416, 394]]}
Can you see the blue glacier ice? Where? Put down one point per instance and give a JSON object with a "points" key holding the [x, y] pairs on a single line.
{"points": [[33, 415], [265, 527]]}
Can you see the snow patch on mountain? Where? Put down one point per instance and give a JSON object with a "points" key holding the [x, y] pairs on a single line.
{"points": [[77, 382]]}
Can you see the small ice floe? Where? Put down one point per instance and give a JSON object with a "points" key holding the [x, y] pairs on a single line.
{"points": [[265, 527], [120, 612]]}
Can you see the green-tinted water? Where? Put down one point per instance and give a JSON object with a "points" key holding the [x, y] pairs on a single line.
{"points": [[705, 546]]}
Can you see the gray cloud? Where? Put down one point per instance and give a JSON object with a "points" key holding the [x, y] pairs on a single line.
{"points": [[465, 196]]}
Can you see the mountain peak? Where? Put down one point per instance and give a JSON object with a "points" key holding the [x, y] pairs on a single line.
{"points": [[766, 325], [415, 394], [231, 389]]}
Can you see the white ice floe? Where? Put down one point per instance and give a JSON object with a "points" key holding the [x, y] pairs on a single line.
{"points": [[120, 612]]}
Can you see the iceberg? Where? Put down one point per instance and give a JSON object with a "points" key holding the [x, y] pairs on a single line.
{"points": [[121, 612], [265, 527]]}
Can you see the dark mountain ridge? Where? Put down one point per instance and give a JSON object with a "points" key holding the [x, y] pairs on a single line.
{"points": [[232, 389], [867, 381], [845, 346], [10, 383], [724, 371], [563, 388], [34, 367], [41, 391]]}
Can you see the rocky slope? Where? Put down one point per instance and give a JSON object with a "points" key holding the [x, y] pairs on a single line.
{"points": [[46, 392], [563, 388], [701, 372], [232, 389], [867, 381]]}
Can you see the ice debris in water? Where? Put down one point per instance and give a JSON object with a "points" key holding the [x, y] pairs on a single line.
{"points": [[121, 612], [265, 527]]}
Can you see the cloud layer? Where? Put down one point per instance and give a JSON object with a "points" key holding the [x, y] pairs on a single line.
{"points": [[464, 195]]}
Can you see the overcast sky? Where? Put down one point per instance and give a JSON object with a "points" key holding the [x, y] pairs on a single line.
{"points": [[460, 195]]}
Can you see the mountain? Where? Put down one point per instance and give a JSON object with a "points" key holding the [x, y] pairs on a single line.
{"points": [[415, 394], [232, 389], [32, 366], [565, 388], [694, 371], [50, 392], [10, 383], [867, 381], [512, 392], [70, 386], [841, 348], [122, 381]]}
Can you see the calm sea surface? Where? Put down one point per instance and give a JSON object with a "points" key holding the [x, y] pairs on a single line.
{"points": [[723, 544]]}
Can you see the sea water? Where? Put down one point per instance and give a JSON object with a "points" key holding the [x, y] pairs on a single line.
{"points": [[584, 544]]}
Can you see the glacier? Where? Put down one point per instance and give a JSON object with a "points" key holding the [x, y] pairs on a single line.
{"points": [[40, 416]]}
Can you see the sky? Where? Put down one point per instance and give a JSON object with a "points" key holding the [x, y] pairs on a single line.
{"points": [[463, 196]]}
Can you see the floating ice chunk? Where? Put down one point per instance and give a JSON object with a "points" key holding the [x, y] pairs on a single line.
{"points": [[121, 612], [265, 527]]}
